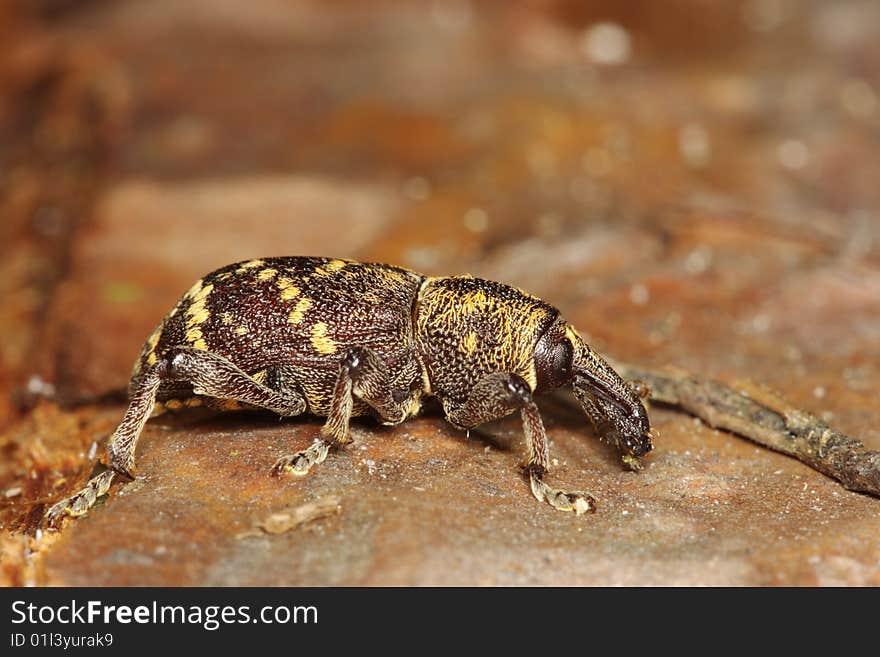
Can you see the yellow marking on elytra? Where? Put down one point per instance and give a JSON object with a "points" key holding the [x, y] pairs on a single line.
{"points": [[335, 265], [248, 265], [329, 268], [152, 341], [260, 377], [225, 276], [194, 336], [288, 289], [197, 314], [241, 330], [320, 341], [572, 335], [267, 274], [194, 290], [227, 318], [469, 343], [299, 312], [203, 293]]}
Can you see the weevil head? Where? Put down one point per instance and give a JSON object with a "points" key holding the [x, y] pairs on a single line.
{"points": [[562, 358]]}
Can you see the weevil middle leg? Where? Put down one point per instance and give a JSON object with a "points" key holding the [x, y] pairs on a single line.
{"points": [[365, 376]]}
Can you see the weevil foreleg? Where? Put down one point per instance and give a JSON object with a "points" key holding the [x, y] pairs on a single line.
{"points": [[364, 376], [536, 442], [495, 396]]}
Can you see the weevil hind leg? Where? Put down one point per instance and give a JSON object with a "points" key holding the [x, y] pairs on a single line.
{"points": [[210, 375], [214, 376], [362, 375], [120, 450], [497, 395]]}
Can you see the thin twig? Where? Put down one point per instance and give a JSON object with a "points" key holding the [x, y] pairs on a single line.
{"points": [[763, 416]]}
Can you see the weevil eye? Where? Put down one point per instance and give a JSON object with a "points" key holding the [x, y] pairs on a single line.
{"points": [[561, 359], [554, 355]]}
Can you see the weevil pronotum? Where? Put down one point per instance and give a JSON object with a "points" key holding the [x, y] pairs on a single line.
{"points": [[338, 338]]}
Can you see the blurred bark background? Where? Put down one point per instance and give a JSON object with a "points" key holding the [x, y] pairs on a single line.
{"points": [[693, 184]]}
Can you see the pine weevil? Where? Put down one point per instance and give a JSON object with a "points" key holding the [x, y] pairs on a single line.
{"points": [[338, 338]]}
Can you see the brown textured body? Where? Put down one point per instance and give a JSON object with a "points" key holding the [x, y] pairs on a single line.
{"points": [[288, 321], [339, 338]]}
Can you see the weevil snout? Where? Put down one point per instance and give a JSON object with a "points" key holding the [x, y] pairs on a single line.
{"points": [[639, 442], [636, 445], [614, 405], [630, 431]]}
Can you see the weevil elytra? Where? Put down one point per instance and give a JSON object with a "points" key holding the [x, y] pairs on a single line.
{"points": [[338, 338]]}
